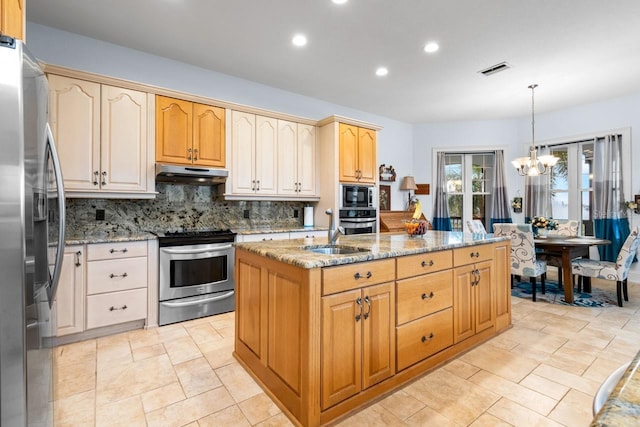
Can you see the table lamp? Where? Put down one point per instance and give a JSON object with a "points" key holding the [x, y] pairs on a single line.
{"points": [[408, 183]]}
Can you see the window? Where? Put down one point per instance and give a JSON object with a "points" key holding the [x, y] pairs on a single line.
{"points": [[469, 183], [572, 180]]}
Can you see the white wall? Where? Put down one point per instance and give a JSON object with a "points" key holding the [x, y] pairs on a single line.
{"points": [[73, 51]]}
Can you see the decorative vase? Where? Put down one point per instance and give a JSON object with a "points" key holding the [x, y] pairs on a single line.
{"points": [[543, 232]]}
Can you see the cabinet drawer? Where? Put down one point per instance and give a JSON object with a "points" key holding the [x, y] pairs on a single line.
{"points": [[116, 307], [423, 337], [412, 265], [116, 275], [471, 254], [422, 295], [263, 237], [116, 250], [353, 276]]}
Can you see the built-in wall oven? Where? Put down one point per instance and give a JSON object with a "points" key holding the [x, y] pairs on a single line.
{"points": [[196, 275], [358, 220]]}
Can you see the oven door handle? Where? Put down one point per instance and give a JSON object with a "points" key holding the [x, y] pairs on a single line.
{"points": [[198, 301], [196, 251]]}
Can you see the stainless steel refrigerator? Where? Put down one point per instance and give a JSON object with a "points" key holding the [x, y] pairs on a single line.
{"points": [[31, 239]]}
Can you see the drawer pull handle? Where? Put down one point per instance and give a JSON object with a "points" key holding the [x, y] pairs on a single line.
{"points": [[104, 178], [78, 255], [123, 275], [124, 251], [360, 276], [359, 302], [429, 338], [475, 254], [427, 264], [112, 308], [366, 315], [425, 296], [96, 174]]}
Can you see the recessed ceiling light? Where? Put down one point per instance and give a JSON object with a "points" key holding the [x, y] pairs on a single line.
{"points": [[382, 71], [299, 40], [339, 1], [431, 47]]}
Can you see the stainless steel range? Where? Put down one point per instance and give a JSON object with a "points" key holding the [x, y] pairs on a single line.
{"points": [[196, 275]]}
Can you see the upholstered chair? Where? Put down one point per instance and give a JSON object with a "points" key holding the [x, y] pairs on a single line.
{"points": [[608, 270], [475, 226], [566, 228], [523, 254]]}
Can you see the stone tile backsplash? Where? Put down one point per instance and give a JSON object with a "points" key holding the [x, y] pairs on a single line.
{"points": [[180, 207]]}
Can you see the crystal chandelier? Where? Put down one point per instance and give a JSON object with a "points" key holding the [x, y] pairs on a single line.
{"points": [[534, 165]]}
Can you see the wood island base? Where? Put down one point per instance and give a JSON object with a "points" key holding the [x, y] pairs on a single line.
{"points": [[324, 342]]}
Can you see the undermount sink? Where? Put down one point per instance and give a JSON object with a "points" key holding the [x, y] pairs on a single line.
{"points": [[335, 249]]}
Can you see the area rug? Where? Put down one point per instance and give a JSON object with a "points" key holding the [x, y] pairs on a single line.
{"points": [[555, 295]]}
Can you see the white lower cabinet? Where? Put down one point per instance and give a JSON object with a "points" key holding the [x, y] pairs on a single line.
{"points": [[259, 237], [102, 284]]}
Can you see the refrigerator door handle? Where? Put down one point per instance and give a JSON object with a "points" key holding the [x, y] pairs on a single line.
{"points": [[61, 215]]}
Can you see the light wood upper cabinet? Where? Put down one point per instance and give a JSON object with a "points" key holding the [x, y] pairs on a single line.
{"points": [[189, 133], [296, 159], [101, 133], [12, 15], [357, 154]]}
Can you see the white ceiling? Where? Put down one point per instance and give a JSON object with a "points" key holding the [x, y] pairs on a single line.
{"points": [[578, 51]]}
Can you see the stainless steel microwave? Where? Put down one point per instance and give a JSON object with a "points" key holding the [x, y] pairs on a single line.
{"points": [[357, 196]]}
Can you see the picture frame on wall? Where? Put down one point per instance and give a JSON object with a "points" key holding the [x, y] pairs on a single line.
{"points": [[385, 197]]}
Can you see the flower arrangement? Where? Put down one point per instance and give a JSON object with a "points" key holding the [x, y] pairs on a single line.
{"points": [[541, 222], [631, 205]]}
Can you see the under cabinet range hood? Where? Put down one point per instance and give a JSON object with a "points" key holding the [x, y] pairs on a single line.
{"points": [[194, 175]]}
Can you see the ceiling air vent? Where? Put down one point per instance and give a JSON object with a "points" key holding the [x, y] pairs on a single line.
{"points": [[495, 69]]}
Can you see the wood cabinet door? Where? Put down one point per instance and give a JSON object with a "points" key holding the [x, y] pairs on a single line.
{"points": [[74, 116], [123, 144], [12, 15], [69, 300], [174, 130], [483, 297], [251, 304], [287, 158], [341, 358], [208, 135], [367, 168], [502, 277], [463, 312], [266, 160], [348, 153], [378, 334], [243, 152], [307, 160]]}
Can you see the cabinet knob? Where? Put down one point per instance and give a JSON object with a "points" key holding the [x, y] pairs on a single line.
{"points": [[475, 254], [425, 296], [429, 338]]}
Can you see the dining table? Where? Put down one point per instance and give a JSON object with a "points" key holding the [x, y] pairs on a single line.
{"points": [[567, 248]]}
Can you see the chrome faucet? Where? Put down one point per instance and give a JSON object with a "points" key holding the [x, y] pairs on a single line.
{"points": [[333, 231]]}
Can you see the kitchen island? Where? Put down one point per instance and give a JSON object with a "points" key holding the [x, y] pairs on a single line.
{"points": [[327, 334]]}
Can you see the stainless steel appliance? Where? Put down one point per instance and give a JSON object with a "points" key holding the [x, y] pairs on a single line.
{"points": [[196, 275], [194, 175], [358, 221], [357, 196], [31, 239]]}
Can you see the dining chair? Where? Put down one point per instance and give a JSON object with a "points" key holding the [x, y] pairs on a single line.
{"points": [[523, 254], [476, 226], [568, 228], [608, 270]]}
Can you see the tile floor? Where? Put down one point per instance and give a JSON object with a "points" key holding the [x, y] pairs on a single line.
{"points": [[542, 372]]}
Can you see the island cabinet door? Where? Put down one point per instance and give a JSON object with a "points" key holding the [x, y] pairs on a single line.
{"points": [[463, 324], [378, 340], [250, 294], [341, 347], [483, 295]]}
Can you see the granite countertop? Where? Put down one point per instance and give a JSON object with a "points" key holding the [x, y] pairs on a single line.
{"points": [[622, 408], [276, 230], [81, 238], [377, 246]]}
